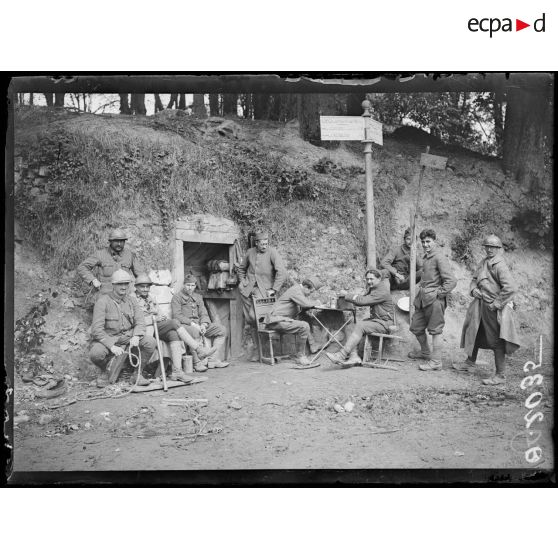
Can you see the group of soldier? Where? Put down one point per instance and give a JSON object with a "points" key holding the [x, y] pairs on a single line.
{"points": [[124, 320]]}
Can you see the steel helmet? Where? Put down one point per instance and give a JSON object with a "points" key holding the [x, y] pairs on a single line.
{"points": [[143, 279], [492, 240], [117, 234], [120, 276]]}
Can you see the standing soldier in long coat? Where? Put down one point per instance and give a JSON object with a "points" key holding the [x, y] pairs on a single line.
{"points": [[262, 273], [489, 321], [98, 268]]}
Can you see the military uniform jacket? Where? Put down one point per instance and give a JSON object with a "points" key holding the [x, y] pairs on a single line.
{"points": [[497, 287], [289, 304], [188, 308], [149, 307], [437, 278], [380, 302], [266, 271], [398, 260], [115, 319], [104, 262]]}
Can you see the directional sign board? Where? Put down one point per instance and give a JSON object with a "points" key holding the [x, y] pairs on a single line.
{"points": [[427, 160], [349, 128]]}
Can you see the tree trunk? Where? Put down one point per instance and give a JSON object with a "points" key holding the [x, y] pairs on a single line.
{"points": [[310, 107], [124, 106], [214, 104], [31, 99], [158, 103], [261, 104], [230, 104], [498, 114], [199, 105], [246, 105], [138, 103], [527, 135], [49, 97], [173, 101], [182, 101], [59, 99]]}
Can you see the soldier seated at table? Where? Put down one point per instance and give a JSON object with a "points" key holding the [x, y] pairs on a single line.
{"points": [[396, 265], [287, 308], [378, 297]]}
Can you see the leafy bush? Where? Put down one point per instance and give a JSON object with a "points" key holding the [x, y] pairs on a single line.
{"points": [[475, 224], [535, 220]]}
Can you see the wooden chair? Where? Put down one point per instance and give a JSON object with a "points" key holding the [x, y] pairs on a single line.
{"points": [[367, 359], [262, 307]]}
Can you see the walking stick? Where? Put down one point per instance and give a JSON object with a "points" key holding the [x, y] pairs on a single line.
{"points": [[161, 363]]}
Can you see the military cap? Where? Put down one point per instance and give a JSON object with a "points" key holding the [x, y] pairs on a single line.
{"points": [[261, 235], [117, 234]]}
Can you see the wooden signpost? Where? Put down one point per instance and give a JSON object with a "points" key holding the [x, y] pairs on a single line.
{"points": [[368, 131], [435, 162]]}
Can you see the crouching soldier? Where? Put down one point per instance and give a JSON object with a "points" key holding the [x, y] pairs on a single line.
{"points": [[489, 321], [169, 330], [118, 322], [289, 305], [430, 303], [378, 297], [396, 265], [189, 310]]}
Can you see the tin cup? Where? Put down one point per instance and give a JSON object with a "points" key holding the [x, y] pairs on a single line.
{"points": [[188, 364]]}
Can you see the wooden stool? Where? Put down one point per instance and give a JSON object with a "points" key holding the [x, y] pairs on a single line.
{"points": [[367, 356]]}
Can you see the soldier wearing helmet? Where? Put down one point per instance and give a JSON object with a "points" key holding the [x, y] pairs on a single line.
{"points": [[169, 330], [489, 321], [98, 268], [118, 322]]}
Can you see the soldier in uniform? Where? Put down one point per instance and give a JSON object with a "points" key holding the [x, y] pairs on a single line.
{"points": [[489, 321], [430, 302], [98, 268], [189, 310], [378, 297], [262, 273], [169, 330], [118, 322], [396, 264], [282, 317]]}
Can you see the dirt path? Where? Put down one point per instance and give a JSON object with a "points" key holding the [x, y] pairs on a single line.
{"points": [[284, 419]]}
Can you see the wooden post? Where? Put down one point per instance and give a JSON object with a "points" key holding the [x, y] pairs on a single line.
{"points": [[370, 220], [413, 270], [413, 255]]}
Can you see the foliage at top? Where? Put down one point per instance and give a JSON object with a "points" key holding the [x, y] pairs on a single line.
{"points": [[470, 120]]}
